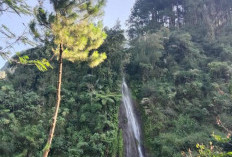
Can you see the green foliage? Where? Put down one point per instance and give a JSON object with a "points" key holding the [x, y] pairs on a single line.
{"points": [[70, 27], [88, 118], [181, 89], [21, 124], [219, 69], [185, 125], [18, 6], [120, 144], [146, 54], [78, 40], [74, 35], [42, 65], [203, 19], [218, 138], [211, 150]]}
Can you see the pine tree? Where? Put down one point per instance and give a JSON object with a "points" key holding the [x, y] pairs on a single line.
{"points": [[211, 15], [17, 6], [75, 36]]}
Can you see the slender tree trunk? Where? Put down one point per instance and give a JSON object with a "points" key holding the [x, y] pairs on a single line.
{"points": [[58, 98], [178, 15]]}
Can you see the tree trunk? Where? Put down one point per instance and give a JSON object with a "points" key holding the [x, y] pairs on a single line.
{"points": [[58, 98]]}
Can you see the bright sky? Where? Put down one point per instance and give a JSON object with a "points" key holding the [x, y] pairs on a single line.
{"points": [[114, 10]]}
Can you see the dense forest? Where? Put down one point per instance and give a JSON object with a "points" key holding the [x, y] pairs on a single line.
{"points": [[176, 57]]}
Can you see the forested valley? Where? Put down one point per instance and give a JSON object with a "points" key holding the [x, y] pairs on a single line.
{"points": [[175, 55]]}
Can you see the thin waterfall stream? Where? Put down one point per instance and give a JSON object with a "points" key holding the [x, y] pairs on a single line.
{"points": [[133, 131]]}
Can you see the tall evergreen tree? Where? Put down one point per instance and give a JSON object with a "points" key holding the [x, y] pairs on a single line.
{"points": [[211, 16], [71, 30], [150, 15]]}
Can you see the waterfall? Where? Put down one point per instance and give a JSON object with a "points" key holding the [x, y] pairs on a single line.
{"points": [[133, 145]]}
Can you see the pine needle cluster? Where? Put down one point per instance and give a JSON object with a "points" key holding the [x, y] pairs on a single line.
{"points": [[79, 40]]}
